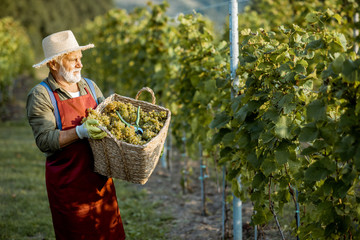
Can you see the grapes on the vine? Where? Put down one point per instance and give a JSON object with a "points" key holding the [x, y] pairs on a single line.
{"points": [[151, 122]]}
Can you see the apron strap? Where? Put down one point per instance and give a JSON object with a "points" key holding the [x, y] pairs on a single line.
{"points": [[54, 103], [92, 89]]}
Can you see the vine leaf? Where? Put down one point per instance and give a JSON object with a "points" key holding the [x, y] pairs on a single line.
{"points": [[315, 173], [282, 156], [351, 70], [320, 169], [308, 133], [357, 158], [316, 111], [228, 139], [259, 180], [337, 64], [242, 113], [316, 44], [268, 166], [311, 17], [220, 120], [254, 160], [287, 103], [219, 135], [283, 127]]}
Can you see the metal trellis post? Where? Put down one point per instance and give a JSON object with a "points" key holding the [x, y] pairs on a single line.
{"points": [[169, 150], [297, 212], [237, 217], [202, 181], [223, 208], [356, 33], [256, 232], [184, 170], [234, 61], [234, 44], [163, 157]]}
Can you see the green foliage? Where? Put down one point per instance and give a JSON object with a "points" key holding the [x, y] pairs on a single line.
{"points": [[41, 17], [295, 125], [145, 48], [270, 14], [16, 55], [203, 67], [132, 51]]}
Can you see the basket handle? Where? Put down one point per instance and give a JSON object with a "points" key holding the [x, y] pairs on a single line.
{"points": [[106, 130], [149, 90]]}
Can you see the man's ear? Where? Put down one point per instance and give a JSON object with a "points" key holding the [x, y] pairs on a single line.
{"points": [[54, 65]]}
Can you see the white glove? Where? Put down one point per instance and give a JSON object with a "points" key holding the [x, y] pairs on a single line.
{"points": [[89, 130], [81, 131]]}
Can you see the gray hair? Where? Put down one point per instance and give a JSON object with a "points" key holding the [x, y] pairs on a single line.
{"points": [[58, 59]]}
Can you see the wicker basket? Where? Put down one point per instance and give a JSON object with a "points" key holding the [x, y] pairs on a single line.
{"points": [[129, 162]]}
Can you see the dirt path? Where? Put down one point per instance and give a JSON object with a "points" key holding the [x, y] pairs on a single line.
{"points": [[186, 207]]}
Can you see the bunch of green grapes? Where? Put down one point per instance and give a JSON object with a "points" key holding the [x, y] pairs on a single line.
{"points": [[150, 122]]}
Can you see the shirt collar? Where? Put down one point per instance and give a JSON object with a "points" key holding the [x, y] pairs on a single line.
{"points": [[52, 82]]}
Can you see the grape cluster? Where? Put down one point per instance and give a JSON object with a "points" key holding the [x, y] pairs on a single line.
{"points": [[150, 122]]}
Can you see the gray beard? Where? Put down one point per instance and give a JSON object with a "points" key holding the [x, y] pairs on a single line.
{"points": [[69, 76]]}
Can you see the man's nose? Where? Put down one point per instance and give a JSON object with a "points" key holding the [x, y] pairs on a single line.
{"points": [[79, 64]]}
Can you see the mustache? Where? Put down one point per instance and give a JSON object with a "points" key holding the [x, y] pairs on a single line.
{"points": [[76, 70]]}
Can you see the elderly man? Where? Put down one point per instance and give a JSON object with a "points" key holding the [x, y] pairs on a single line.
{"points": [[83, 203]]}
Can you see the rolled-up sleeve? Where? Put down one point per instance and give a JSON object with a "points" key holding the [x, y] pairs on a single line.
{"points": [[40, 114]]}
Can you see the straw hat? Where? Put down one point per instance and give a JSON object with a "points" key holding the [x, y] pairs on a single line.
{"points": [[58, 44]]}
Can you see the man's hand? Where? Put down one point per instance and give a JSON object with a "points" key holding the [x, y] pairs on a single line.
{"points": [[89, 130]]}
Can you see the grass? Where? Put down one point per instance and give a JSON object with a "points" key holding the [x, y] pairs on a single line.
{"points": [[24, 207]]}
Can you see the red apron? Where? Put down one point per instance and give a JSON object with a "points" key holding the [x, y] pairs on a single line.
{"points": [[83, 203]]}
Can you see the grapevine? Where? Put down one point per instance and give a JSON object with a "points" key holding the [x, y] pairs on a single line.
{"points": [[293, 122], [151, 122]]}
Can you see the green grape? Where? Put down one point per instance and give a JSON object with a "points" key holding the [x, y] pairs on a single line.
{"points": [[151, 122]]}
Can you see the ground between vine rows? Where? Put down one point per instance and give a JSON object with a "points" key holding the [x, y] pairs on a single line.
{"points": [[185, 204], [186, 207]]}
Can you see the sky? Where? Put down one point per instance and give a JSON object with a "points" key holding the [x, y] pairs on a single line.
{"points": [[216, 10]]}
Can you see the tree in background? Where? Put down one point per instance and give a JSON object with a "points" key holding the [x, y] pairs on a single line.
{"points": [[43, 17], [16, 56], [23, 25]]}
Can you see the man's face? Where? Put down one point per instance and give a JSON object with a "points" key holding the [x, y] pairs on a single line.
{"points": [[70, 67]]}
